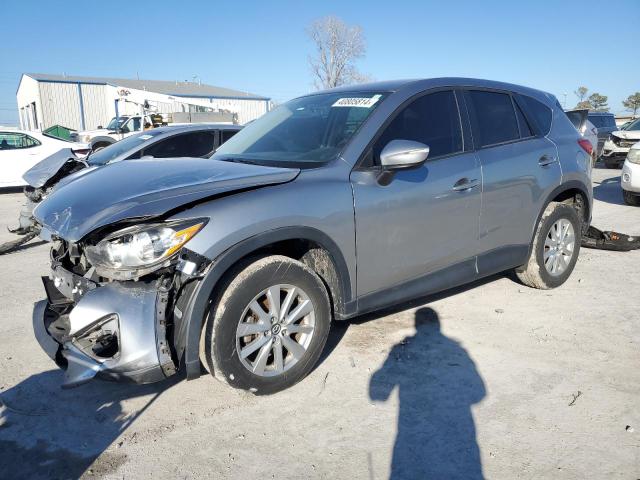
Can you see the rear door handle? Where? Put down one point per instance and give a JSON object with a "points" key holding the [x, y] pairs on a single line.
{"points": [[465, 184], [547, 160]]}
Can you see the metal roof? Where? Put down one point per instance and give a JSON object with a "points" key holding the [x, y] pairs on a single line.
{"points": [[176, 88]]}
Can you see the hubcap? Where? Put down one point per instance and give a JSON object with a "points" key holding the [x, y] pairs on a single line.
{"points": [[559, 245], [275, 330]]}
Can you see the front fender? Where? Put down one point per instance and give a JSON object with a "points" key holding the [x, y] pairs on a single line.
{"points": [[188, 328]]}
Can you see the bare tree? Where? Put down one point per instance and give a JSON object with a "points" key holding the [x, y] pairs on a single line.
{"points": [[632, 103], [581, 93], [337, 47]]}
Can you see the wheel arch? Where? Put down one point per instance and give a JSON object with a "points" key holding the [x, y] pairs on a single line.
{"points": [[309, 245], [100, 140], [572, 192]]}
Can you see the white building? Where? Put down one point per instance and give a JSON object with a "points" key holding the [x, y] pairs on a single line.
{"points": [[83, 103]]}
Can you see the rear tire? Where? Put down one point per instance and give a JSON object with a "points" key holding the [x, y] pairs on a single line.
{"points": [[254, 343], [555, 248], [630, 198]]}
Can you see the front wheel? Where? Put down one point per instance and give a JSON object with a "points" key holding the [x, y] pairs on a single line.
{"points": [[555, 248], [268, 325]]}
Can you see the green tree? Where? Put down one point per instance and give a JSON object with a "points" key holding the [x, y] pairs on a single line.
{"points": [[632, 103], [584, 104], [599, 102]]}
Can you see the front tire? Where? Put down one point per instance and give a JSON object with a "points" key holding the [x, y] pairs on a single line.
{"points": [[555, 249], [268, 325], [632, 199]]}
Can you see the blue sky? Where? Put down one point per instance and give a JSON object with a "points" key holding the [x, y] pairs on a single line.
{"points": [[262, 47]]}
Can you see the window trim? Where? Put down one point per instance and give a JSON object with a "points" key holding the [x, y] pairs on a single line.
{"points": [[517, 107], [367, 152]]}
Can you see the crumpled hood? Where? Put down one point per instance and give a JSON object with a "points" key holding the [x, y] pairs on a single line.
{"points": [[627, 134], [145, 188], [38, 175]]}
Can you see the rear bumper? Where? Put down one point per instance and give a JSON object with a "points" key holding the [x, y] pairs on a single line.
{"points": [[115, 331]]}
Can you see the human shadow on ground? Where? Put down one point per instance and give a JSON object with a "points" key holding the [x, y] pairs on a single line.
{"points": [[50, 433], [438, 383], [609, 191]]}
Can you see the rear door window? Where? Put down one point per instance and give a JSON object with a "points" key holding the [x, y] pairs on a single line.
{"points": [[539, 112], [495, 117], [193, 144], [432, 119]]}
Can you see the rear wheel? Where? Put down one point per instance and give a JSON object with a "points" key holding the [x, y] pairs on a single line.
{"points": [[555, 249], [630, 198], [268, 326]]}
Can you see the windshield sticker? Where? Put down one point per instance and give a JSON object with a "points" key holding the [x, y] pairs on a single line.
{"points": [[362, 102], [145, 137]]}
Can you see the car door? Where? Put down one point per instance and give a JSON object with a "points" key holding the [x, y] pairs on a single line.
{"points": [[411, 223], [18, 153], [519, 168]]}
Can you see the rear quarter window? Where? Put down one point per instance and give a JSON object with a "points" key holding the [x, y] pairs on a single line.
{"points": [[539, 113]]}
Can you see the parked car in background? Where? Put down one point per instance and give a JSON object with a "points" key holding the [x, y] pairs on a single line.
{"points": [[197, 140], [332, 205], [605, 122], [630, 178], [617, 146], [580, 120], [20, 150]]}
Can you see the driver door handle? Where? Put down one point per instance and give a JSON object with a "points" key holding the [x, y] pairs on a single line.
{"points": [[547, 160], [465, 184]]}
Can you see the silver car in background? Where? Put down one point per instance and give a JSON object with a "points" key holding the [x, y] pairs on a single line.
{"points": [[197, 140], [332, 205]]}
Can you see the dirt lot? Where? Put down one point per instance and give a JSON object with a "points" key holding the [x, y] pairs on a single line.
{"points": [[493, 380]]}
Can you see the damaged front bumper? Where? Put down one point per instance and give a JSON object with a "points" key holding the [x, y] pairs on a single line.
{"points": [[114, 331]]}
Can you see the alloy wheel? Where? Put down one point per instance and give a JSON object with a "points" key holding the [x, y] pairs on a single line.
{"points": [[275, 330], [559, 245]]}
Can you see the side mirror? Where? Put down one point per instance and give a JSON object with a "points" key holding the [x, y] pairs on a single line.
{"points": [[99, 127], [403, 154]]}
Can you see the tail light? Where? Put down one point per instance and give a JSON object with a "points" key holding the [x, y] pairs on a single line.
{"points": [[586, 145]]}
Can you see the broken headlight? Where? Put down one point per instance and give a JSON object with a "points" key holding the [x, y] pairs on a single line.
{"points": [[136, 251]]}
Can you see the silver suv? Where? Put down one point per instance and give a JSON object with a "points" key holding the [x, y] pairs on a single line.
{"points": [[334, 204]]}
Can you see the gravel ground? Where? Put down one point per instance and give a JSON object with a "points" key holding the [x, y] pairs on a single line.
{"points": [[493, 379]]}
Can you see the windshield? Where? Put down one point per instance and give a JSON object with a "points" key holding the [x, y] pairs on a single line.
{"points": [[304, 132], [106, 155], [635, 125], [113, 124]]}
